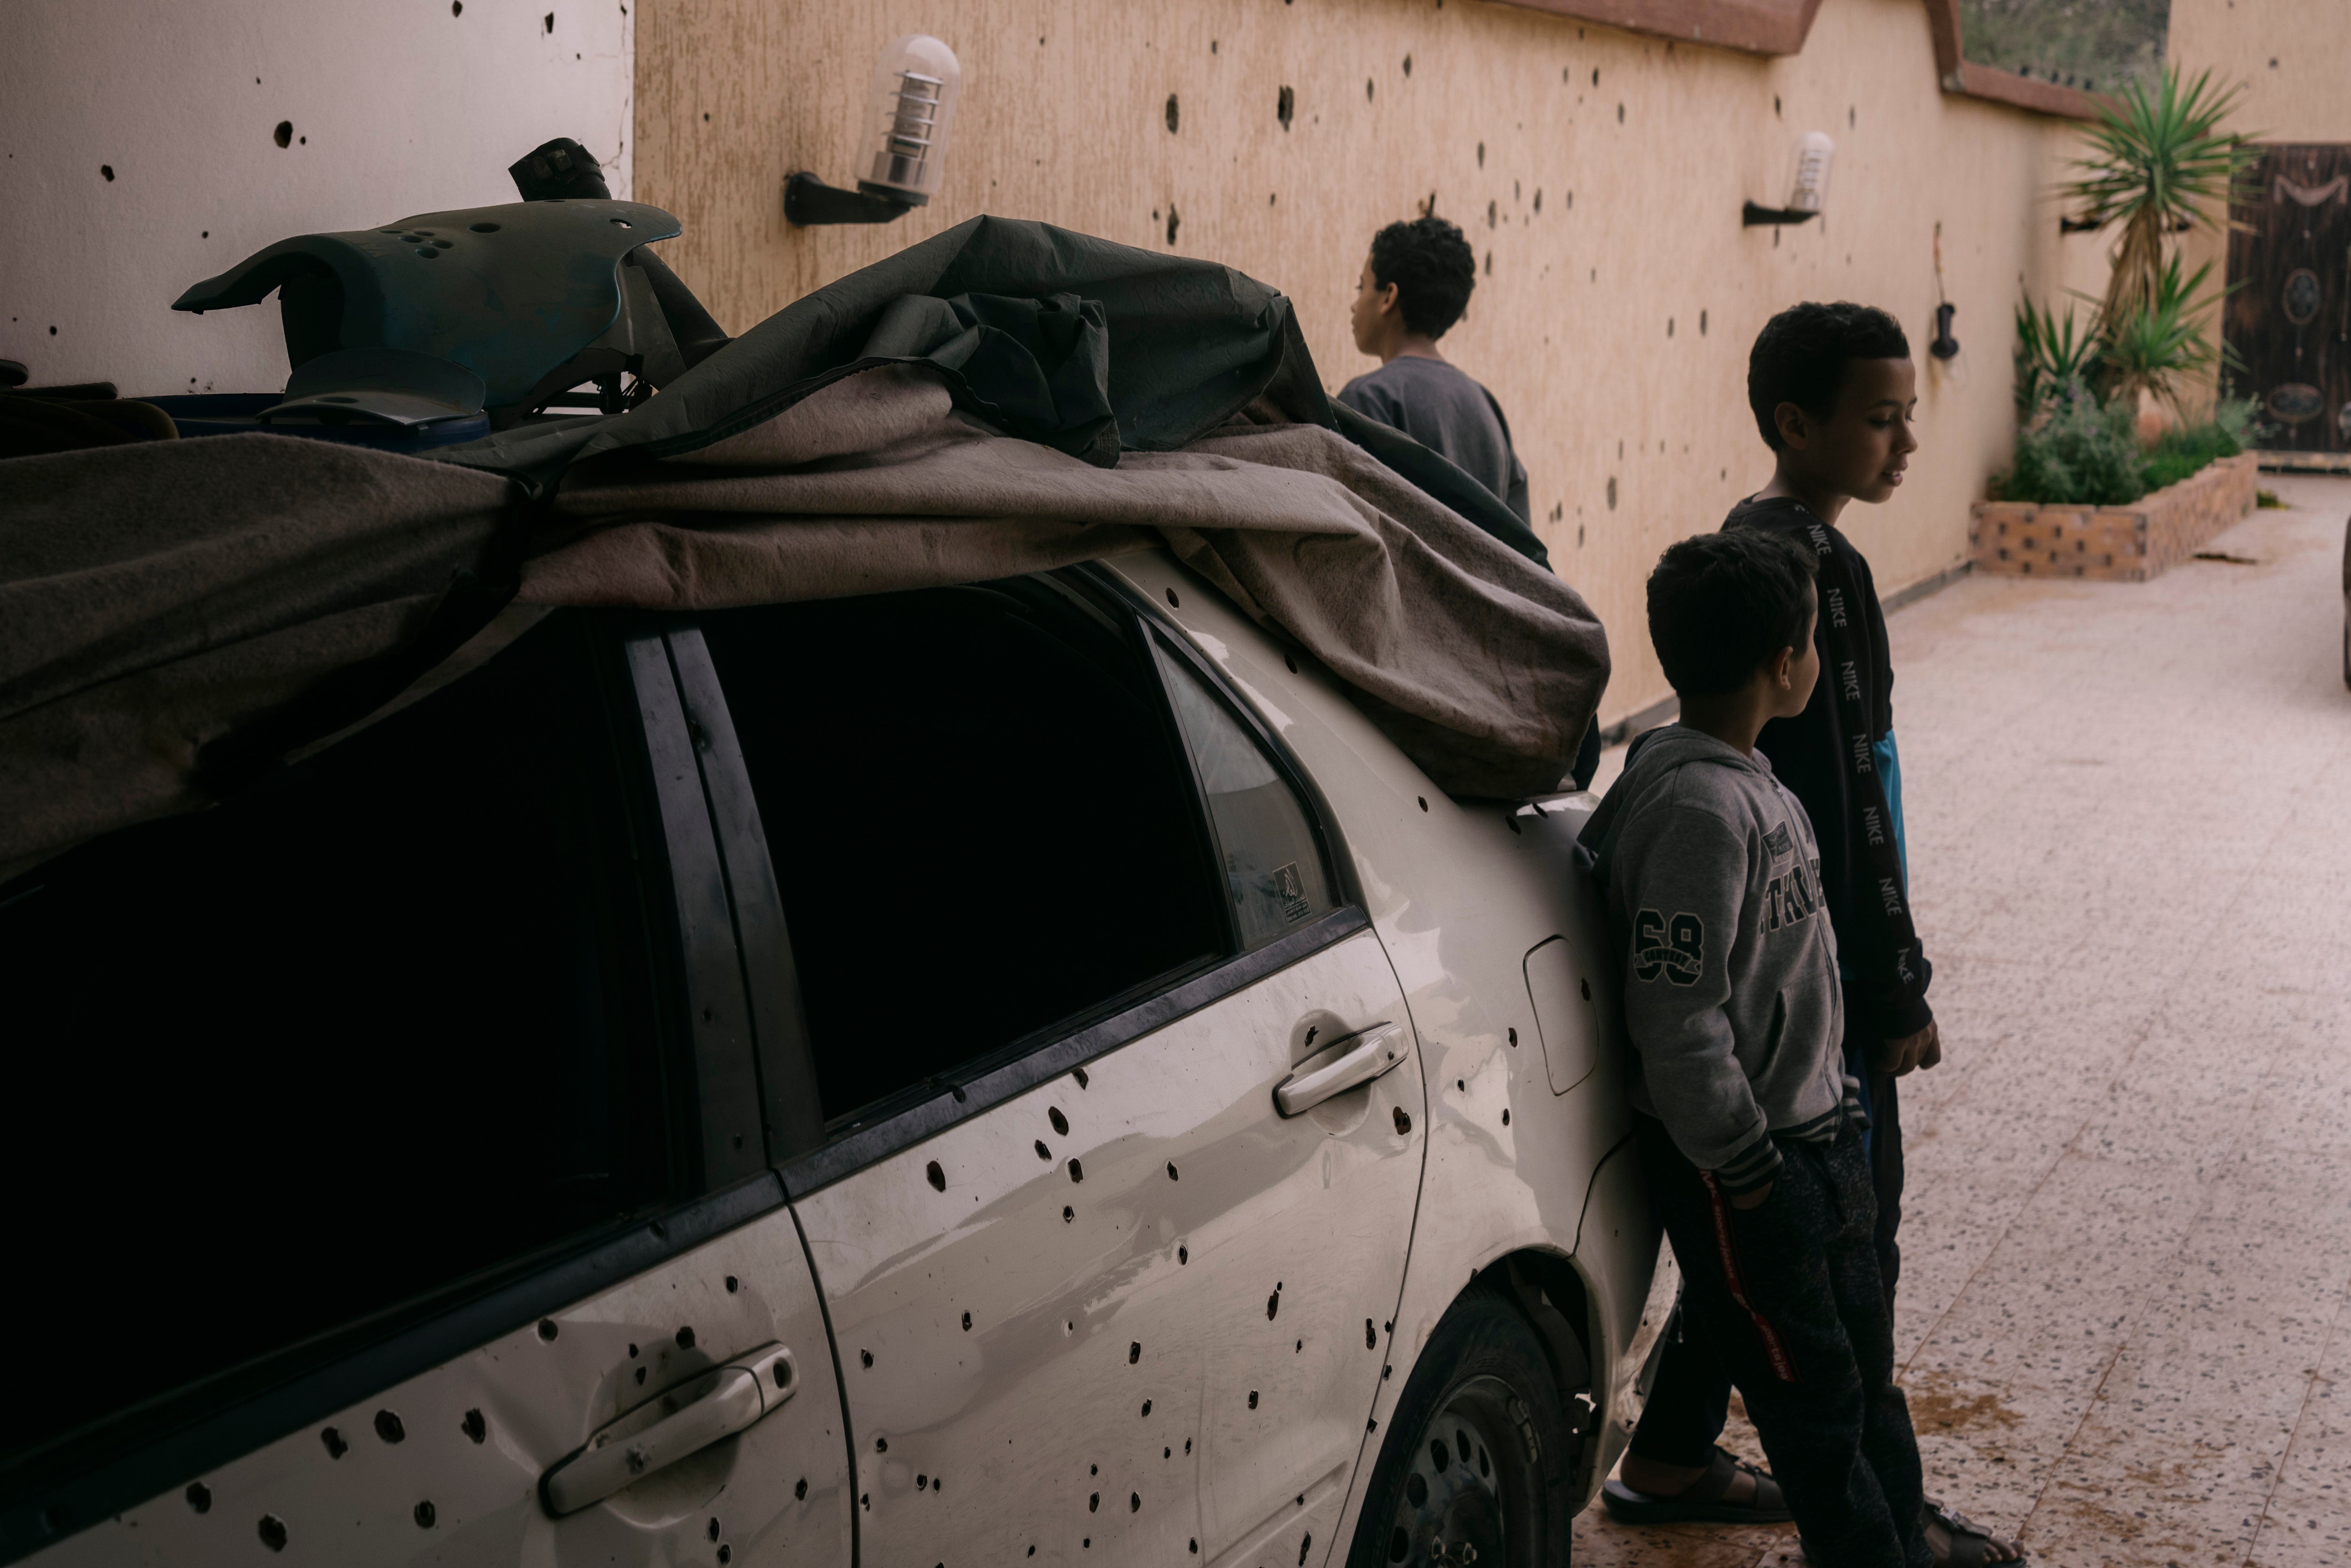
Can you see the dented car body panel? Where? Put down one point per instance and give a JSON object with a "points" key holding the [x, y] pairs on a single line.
{"points": [[1094, 1295]]}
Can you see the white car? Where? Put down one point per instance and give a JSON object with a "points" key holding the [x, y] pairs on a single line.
{"points": [[1025, 1073]]}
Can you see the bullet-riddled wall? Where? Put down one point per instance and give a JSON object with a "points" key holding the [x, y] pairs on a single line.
{"points": [[1599, 174]]}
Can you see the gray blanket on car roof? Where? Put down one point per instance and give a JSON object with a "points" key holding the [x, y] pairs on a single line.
{"points": [[177, 614]]}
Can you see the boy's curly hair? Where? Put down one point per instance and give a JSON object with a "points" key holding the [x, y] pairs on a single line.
{"points": [[1433, 269], [1801, 355], [1722, 603]]}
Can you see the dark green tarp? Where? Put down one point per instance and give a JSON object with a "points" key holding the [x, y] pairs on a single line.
{"points": [[1081, 344]]}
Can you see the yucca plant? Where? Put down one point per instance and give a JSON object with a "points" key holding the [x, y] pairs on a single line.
{"points": [[2159, 163], [2052, 357], [2151, 350]]}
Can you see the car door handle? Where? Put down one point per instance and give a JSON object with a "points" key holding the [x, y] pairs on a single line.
{"points": [[1348, 1063], [684, 1420]]}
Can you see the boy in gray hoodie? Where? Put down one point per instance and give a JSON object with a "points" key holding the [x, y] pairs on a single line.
{"points": [[1749, 1129]]}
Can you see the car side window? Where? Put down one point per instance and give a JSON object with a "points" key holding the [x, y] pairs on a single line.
{"points": [[982, 825], [1266, 843], [381, 1028]]}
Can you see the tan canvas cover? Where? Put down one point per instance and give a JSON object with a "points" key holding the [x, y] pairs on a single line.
{"points": [[156, 598]]}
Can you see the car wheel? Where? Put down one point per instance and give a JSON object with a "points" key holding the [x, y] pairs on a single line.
{"points": [[1479, 1454]]}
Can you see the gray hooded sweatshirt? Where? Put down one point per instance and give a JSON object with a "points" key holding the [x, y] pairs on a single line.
{"points": [[1730, 978]]}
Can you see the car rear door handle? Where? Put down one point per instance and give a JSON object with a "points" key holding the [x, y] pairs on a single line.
{"points": [[684, 1420], [1348, 1063]]}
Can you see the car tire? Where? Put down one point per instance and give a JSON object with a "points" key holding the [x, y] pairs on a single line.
{"points": [[1479, 1455]]}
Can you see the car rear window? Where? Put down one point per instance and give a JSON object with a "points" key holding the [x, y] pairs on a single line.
{"points": [[378, 1023]]}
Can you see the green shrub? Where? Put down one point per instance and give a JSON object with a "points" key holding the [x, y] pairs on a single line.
{"points": [[2076, 452], [2170, 467], [2182, 451]]}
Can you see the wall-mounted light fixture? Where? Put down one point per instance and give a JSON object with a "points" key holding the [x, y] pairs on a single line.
{"points": [[1808, 184], [905, 130]]}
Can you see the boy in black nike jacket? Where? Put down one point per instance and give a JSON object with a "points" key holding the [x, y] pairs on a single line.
{"points": [[1833, 387]]}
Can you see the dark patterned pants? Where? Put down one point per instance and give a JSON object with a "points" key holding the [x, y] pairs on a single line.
{"points": [[1691, 1398], [1786, 1298]]}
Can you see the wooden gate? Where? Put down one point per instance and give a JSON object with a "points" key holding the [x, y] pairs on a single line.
{"points": [[2289, 317]]}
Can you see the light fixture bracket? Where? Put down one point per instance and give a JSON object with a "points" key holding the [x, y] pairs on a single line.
{"points": [[809, 201], [1754, 214]]}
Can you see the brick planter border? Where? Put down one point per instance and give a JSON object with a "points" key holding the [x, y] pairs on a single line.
{"points": [[2118, 544]]}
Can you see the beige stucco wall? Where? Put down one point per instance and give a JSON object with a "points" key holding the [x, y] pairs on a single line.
{"points": [[2293, 58], [1614, 322]]}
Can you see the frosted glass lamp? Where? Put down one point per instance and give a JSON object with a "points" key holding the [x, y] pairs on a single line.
{"points": [[902, 140], [1808, 183]]}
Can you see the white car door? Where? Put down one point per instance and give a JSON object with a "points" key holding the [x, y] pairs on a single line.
{"points": [[1165, 1336], [431, 1220], [1125, 1118]]}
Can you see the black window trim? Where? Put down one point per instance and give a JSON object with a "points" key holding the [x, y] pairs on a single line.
{"points": [[726, 1075], [769, 978], [144, 1453], [925, 1109]]}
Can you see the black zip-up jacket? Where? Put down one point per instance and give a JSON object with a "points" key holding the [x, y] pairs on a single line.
{"points": [[1826, 756]]}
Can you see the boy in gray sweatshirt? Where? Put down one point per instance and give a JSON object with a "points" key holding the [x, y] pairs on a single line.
{"points": [[1748, 1127]]}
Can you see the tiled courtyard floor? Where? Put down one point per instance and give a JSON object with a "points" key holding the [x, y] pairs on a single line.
{"points": [[2126, 1314]]}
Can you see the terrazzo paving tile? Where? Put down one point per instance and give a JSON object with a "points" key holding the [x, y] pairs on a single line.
{"points": [[2312, 1188], [2305, 1528], [2257, 1283], [2045, 1317], [2149, 1512], [2176, 1101], [2288, 929], [1953, 1225], [2304, 1101], [2209, 1378], [1980, 1136], [2306, 1520]]}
